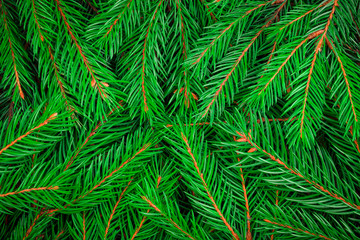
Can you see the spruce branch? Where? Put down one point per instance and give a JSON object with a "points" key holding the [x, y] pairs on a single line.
{"points": [[179, 119], [14, 57]]}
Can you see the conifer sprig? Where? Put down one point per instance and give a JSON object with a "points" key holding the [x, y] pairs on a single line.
{"points": [[179, 119]]}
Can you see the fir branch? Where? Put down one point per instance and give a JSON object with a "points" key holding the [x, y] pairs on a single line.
{"points": [[277, 160], [36, 21], [51, 211], [58, 78], [43, 48], [100, 109], [114, 209], [238, 60], [3, 13], [108, 29], [116, 170], [169, 219], [52, 117], [14, 55], [85, 61], [92, 133], [118, 18], [305, 14], [184, 54], [224, 31], [139, 227], [311, 36], [296, 229], [317, 49], [33, 224], [144, 56], [207, 188], [211, 14]]}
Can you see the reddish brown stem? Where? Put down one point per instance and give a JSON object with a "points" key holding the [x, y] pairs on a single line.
{"points": [[248, 234], [84, 231], [158, 182], [60, 233], [29, 190], [355, 141]]}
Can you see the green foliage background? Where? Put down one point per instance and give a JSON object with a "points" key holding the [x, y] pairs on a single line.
{"points": [[179, 119]]}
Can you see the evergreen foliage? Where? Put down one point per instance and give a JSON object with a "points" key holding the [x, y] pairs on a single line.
{"points": [[179, 119]]}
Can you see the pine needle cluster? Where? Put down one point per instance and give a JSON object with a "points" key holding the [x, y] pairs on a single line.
{"points": [[179, 119]]}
